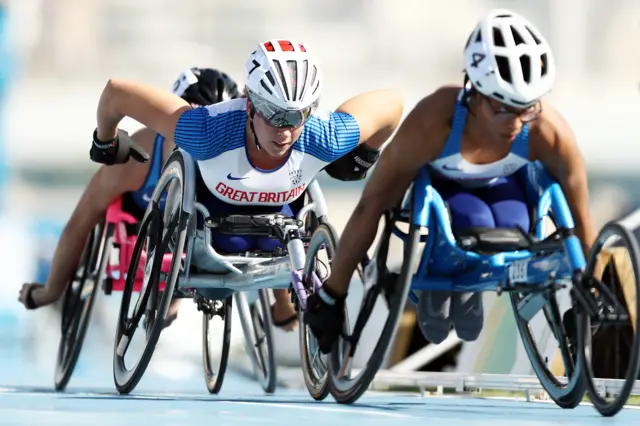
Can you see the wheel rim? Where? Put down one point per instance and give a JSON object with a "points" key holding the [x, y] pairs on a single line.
{"points": [[602, 404], [214, 370], [314, 363]]}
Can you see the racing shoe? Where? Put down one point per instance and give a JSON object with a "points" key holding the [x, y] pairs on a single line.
{"points": [[434, 314], [325, 317], [467, 314]]}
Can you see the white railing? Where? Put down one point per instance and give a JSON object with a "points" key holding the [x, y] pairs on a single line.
{"points": [[461, 382]]}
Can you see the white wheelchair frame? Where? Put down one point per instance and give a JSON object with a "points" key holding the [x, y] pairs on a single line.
{"points": [[237, 273]]}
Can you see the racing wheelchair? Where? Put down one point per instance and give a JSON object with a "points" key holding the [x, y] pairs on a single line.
{"points": [[103, 265], [531, 267], [182, 231]]}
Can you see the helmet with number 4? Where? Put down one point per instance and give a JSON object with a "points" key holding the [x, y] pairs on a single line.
{"points": [[283, 81], [508, 59]]}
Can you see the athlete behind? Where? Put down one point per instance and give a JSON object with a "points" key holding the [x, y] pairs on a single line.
{"points": [[255, 154], [133, 181], [476, 139]]}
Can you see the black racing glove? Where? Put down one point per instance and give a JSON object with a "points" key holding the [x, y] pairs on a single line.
{"points": [[117, 150], [354, 165]]}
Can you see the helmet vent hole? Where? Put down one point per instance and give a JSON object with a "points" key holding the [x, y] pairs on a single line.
{"points": [[313, 76], [293, 78], [543, 64], [264, 85], [270, 77], [503, 68], [536, 38], [305, 76], [525, 66], [282, 79], [503, 16], [498, 40], [498, 96], [517, 38]]}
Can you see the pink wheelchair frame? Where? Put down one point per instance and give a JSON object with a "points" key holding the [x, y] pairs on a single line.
{"points": [[116, 272]]}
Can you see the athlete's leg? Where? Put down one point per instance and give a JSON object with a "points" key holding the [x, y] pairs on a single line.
{"points": [[507, 201], [109, 183], [467, 208], [439, 310], [284, 314], [224, 243]]}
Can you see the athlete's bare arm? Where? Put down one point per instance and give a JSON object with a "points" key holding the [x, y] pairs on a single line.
{"points": [[107, 184], [420, 139], [378, 114], [554, 144], [153, 107]]}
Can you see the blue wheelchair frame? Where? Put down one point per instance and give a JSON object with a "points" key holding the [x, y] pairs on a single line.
{"points": [[462, 270]]}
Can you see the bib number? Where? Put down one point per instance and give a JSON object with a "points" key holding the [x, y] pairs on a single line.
{"points": [[518, 271]]}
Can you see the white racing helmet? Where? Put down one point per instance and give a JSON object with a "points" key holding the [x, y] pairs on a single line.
{"points": [[283, 81], [508, 59]]}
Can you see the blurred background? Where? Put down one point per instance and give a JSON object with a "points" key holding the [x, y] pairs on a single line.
{"points": [[56, 56]]}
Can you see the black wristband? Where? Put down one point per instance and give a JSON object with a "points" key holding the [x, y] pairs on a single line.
{"points": [[355, 164], [104, 145], [366, 156]]}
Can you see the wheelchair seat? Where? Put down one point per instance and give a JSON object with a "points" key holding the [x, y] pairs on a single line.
{"points": [[257, 224], [492, 240]]}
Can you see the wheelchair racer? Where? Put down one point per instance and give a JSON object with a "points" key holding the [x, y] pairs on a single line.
{"points": [[475, 138], [256, 154], [133, 181]]}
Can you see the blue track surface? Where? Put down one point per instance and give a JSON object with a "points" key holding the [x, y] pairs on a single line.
{"points": [[27, 398]]}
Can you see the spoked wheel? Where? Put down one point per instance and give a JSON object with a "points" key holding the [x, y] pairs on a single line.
{"points": [[565, 395], [257, 326], [316, 272], [608, 332], [160, 232], [214, 370], [394, 289], [78, 302]]}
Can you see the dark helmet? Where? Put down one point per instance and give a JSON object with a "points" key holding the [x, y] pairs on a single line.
{"points": [[205, 86]]}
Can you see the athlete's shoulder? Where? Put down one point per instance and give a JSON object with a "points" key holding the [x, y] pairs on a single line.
{"points": [[550, 126], [326, 115], [225, 107], [444, 98], [206, 132], [435, 109]]}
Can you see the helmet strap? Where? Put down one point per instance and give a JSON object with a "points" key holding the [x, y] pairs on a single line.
{"points": [[252, 113]]}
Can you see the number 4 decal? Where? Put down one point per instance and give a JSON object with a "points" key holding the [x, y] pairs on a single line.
{"points": [[477, 58]]}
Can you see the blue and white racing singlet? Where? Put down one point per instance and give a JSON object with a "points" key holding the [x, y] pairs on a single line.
{"points": [[452, 165], [215, 137]]}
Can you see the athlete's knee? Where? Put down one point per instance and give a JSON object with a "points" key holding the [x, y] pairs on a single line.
{"points": [[232, 243], [511, 214], [508, 203], [267, 244], [469, 211]]}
